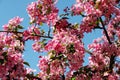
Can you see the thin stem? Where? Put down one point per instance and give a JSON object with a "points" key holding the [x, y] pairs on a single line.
{"points": [[49, 31]]}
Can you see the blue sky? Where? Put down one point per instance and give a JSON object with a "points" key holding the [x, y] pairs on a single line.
{"points": [[12, 8]]}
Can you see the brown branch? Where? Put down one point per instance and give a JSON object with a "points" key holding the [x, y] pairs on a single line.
{"points": [[44, 36], [32, 77], [11, 32], [112, 61], [49, 31], [88, 51], [112, 57], [106, 34]]}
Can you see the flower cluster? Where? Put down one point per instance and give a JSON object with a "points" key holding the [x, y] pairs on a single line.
{"points": [[38, 46], [65, 48], [66, 51], [92, 10], [12, 46], [43, 11], [13, 24]]}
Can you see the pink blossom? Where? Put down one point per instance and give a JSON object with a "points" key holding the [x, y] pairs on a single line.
{"points": [[29, 70], [44, 64], [6, 27], [77, 8], [38, 46], [8, 39], [55, 77], [33, 33], [56, 67], [96, 76], [15, 21], [62, 24], [113, 77]]}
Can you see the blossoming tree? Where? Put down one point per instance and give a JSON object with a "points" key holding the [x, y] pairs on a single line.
{"points": [[63, 42]]}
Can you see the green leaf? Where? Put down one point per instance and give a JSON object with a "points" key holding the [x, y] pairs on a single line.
{"points": [[73, 78], [4, 54], [33, 21], [41, 24], [26, 63], [20, 27], [48, 10], [76, 26], [42, 32], [52, 57], [39, 6], [2, 61], [70, 48], [48, 71]]}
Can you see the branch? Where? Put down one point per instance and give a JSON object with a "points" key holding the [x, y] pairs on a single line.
{"points": [[83, 70], [106, 34], [112, 61], [11, 32], [44, 36], [112, 57], [63, 77], [88, 51], [32, 77]]}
